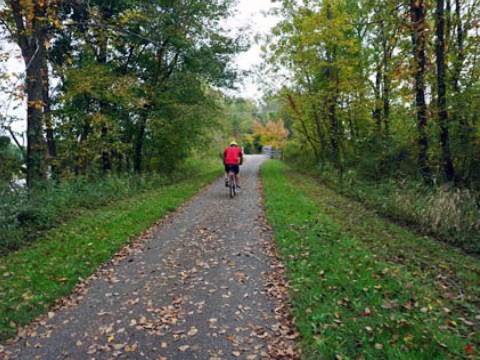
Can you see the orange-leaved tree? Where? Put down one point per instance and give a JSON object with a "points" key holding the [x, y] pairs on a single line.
{"points": [[273, 133]]}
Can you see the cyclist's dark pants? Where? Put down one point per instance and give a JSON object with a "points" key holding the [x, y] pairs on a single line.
{"points": [[234, 168]]}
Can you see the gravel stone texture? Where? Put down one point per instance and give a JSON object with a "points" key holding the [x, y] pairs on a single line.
{"points": [[199, 285]]}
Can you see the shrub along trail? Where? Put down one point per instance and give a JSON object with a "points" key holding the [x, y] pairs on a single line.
{"points": [[364, 288], [205, 284]]}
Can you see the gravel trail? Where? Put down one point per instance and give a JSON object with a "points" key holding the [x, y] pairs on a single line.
{"points": [[203, 284]]}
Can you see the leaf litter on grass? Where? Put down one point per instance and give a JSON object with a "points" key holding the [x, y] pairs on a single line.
{"points": [[363, 299]]}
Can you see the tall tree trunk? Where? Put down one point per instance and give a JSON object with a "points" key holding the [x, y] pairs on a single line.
{"points": [[418, 13], [31, 36], [377, 111], [102, 59], [35, 111], [318, 127], [448, 23], [49, 127], [352, 119], [106, 13], [331, 97], [387, 53], [106, 163], [120, 158], [332, 115], [458, 116], [460, 56], [316, 117], [447, 162], [137, 161], [81, 166]]}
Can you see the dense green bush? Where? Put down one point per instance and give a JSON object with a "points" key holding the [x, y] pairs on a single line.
{"points": [[375, 158]]}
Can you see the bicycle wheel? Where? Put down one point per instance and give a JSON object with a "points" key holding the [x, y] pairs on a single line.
{"points": [[232, 184]]}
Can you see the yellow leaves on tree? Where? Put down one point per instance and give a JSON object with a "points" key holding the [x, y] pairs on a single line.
{"points": [[273, 133], [29, 16]]}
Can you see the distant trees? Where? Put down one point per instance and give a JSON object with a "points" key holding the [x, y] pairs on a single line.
{"points": [[133, 81], [239, 117], [387, 88]]}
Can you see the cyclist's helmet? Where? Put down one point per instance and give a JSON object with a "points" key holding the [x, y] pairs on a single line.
{"points": [[233, 143]]}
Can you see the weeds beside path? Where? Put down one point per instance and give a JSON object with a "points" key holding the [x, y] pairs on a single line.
{"points": [[363, 287]]}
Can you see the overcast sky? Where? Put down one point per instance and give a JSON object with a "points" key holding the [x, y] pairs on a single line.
{"points": [[252, 15], [252, 18]]}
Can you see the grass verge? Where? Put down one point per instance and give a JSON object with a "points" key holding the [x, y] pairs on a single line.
{"points": [[363, 287], [32, 279]]}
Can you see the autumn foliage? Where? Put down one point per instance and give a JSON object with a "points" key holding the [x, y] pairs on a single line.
{"points": [[273, 133]]}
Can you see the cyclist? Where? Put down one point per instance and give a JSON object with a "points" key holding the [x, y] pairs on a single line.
{"points": [[232, 159]]}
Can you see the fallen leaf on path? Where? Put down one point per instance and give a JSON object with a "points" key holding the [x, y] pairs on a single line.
{"points": [[192, 332], [118, 346], [183, 348], [131, 348]]}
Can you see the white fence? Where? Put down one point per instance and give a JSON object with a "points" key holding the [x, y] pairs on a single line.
{"points": [[272, 154]]}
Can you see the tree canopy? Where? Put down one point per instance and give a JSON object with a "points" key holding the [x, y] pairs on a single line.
{"points": [[134, 81]]}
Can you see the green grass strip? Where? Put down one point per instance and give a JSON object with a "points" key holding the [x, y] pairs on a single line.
{"points": [[32, 279], [363, 287]]}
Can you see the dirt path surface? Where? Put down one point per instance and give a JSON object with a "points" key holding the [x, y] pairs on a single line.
{"points": [[205, 284]]}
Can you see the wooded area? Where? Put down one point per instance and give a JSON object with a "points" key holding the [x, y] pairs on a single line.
{"points": [[388, 88]]}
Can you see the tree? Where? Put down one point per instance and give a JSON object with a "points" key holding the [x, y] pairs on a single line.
{"points": [[186, 49], [418, 28], [318, 45], [30, 24], [448, 169], [385, 22], [273, 133]]}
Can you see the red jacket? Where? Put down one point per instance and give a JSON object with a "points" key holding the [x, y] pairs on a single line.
{"points": [[232, 155]]}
